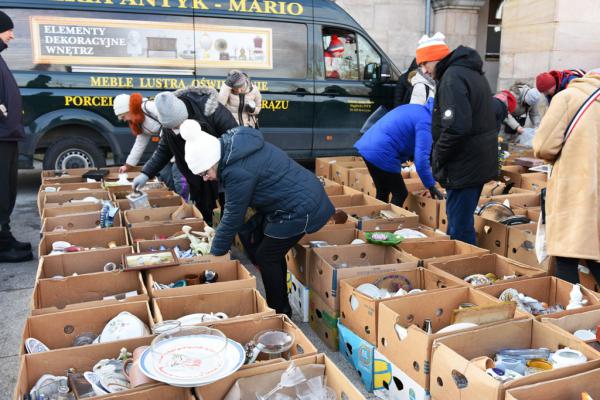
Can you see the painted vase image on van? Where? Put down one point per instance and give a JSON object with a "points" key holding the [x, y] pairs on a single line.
{"points": [[205, 44], [258, 53], [221, 46]]}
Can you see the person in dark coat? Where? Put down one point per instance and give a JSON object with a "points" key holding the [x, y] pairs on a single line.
{"points": [[173, 108], [11, 132], [465, 137], [402, 134], [254, 173]]}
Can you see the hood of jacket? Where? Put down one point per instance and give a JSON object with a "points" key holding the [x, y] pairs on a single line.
{"points": [[588, 84], [238, 143], [461, 57], [422, 78], [205, 97]]}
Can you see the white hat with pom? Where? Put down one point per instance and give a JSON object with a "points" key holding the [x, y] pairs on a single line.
{"points": [[202, 150]]}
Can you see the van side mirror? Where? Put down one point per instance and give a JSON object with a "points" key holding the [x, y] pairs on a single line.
{"points": [[371, 72], [385, 73]]}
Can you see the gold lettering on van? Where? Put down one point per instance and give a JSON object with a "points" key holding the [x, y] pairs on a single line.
{"points": [[111, 82], [275, 105], [246, 6], [268, 7], [88, 101]]}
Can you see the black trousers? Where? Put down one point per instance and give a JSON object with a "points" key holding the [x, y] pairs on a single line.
{"points": [[9, 168], [567, 269], [386, 183], [270, 257]]}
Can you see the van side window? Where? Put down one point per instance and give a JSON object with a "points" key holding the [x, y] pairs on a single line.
{"points": [[340, 55], [367, 55]]}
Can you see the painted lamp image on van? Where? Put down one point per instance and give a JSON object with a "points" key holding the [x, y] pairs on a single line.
{"points": [[319, 72]]}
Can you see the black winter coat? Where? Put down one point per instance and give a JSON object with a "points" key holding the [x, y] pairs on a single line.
{"points": [[257, 174], [11, 126], [465, 138]]}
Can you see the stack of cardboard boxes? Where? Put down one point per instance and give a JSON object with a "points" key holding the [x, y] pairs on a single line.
{"points": [[75, 294]]}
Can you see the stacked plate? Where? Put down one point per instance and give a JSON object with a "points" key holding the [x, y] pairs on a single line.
{"points": [[191, 356]]}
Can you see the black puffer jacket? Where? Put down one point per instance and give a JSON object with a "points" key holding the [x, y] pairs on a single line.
{"points": [[11, 126], [465, 138]]}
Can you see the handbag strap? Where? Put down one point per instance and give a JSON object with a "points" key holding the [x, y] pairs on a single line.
{"points": [[577, 117]]}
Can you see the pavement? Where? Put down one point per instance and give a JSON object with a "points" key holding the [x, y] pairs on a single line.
{"points": [[17, 281]]}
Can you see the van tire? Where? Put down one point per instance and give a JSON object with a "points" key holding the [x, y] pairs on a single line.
{"points": [[74, 152]]}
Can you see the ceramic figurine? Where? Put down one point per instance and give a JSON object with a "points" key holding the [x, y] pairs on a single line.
{"points": [[576, 299]]}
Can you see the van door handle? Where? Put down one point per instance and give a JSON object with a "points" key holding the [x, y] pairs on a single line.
{"points": [[300, 92]]}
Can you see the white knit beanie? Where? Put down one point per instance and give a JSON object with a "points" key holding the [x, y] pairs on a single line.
{"points": [[202, 150], [121, 104]]}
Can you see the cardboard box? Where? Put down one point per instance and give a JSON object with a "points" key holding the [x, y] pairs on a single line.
{"points": [[425, 207], [80, 263], [91, 238], [33, 366], [521, 246], [355, 177], [184, 244], [429, 251], [231, 276], [301, 256], [298, 296], [493, 188], [574, 322], [355, 200], [66, 187], [161, 232], [162, 215], [375, 222], [569, 387], [360, 312], [432, 234], [414, 184], [360, 260], [76, 222], [59, 330], [323, 165], [244, 331], [406, 314], [443, 218], [340, 171], [323, 320], [523, 200], [512, 174], [86, 291], [392, 383], [343, 388], [237, 304], [484, 264], [155, 202], [152, 393], [549, 290], [69, 210], [534, 181], [454, 376], [359, 353], [339, 190], [121, 192], [59, 199]]}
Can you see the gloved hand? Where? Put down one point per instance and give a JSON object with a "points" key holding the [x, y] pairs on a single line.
{"points": [[232, 78], [435, 193], [250, 106], [139, 181]]}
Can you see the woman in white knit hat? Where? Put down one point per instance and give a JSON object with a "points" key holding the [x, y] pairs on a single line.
{"points": [[288, 199]]}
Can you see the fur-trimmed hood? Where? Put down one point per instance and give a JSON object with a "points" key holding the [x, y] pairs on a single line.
{"points": [[206, 97]]}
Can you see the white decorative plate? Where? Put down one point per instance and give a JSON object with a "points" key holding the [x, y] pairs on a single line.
{"points": [[123, 326]]}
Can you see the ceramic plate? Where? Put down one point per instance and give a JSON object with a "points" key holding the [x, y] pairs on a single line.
{"points": [[123, 326], [234, 357], [456, 327], [370, 290], [35, 346], [199, 318]]}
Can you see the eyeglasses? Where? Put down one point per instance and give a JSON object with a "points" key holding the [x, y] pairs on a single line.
{"points": [[203, 174]]}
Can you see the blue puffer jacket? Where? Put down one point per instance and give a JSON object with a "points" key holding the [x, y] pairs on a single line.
{"points": [[256, 174], [400, 135]]}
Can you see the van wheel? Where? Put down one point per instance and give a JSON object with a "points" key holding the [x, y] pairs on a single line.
{"points": [[75, 152]]}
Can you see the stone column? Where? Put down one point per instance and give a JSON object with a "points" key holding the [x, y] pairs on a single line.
{"points": [[458, 20]]}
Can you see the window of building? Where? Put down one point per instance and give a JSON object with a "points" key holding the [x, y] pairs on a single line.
{"points": [[494, 30]]}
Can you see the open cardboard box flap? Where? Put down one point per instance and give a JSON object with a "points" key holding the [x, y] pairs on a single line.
{"points": [[232, 275], [569, 387], [574, 322], [454, 376]]}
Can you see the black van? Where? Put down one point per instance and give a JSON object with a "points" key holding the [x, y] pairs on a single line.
{"points": [[320, 73]]}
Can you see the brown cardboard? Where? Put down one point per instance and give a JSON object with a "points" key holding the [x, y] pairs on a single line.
{"points": [[162, 215], [244, 331], [340, 171], [512, 174], [340, 190], [57, 362], [91, 238], [121, 192], [323, 320], [237, 304], [533, 213], [362, 259], [343, 388], [425, 207], [85, 291], [521, 246], [493, 188], [443, 218], [155, 202], [80, 263], [301, 257], [362, 320], [153, 393], [534, 181], [432, 234], [64, 187], [413, 354], [232, 276], [59, 330], [164, 231], [59, 199], [452, 356], [184, 244], [76, 222], [366, 184], [70, 209], [403, 218], [491, 235], [574, 322], [355, 177], [549, 290], [354, 201], [484, 264], [524, 200], [323, 165], [430, 251], [569, 387]]}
